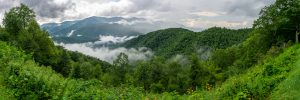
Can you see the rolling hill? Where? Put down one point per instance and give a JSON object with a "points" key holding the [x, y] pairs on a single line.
{"points": [[21, 77], [89, 29], [169, 42]]}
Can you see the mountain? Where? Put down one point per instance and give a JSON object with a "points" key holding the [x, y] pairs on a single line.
{"points": [[169, 42], [90, 29]]}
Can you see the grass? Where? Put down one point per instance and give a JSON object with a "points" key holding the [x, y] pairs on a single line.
{"points": [[290, 88], [276, 78], [280, 74]]}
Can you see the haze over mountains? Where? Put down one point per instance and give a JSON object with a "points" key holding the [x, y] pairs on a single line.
{"points": [[133, 58], [105, 29], [99, 36]]}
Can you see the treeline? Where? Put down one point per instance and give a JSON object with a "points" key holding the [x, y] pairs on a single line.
{"points": [[157, 75], [178, 41], [21, 30], [220, 76]]}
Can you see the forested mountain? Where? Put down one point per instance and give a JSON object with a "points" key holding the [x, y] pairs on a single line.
{"points": [[173, 41], [89, 29], [30, 38], [258, 63]]}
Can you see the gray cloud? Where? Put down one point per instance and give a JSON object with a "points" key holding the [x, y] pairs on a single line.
{"points": [[248, 8], [191, 13], [48, 8], [108, 54]]}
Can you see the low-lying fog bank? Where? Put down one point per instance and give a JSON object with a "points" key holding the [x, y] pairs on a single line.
{"points": [[109, 54]]}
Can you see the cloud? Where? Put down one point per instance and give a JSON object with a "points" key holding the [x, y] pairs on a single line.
{"points": [[113, 39], [202, 23], [49, 8], [164, 10], [108, 54], [46, 10], [206, 13], [249, 8]]}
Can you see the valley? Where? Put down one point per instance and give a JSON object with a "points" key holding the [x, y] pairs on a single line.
{"points": [[134, 58]]}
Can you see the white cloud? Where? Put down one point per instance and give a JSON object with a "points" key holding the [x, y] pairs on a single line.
{"points": [[114, 39], [203, 23], [206, 13], [166, 10], [107, 54]]}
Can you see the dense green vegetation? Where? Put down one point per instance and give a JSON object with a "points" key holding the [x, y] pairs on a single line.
{"points": [[174, 41], [262, 64], [22, 31], [21, 78]]}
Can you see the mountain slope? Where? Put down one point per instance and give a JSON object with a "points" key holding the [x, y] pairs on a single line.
{"points": [[268, 79], [22, 78], [289, 88], [89, 29], [170, 42]]}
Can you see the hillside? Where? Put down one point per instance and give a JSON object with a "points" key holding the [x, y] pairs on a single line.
{"points": [[21, 77], [170, 42], [245, 64], [269, 79], [89, 29]]}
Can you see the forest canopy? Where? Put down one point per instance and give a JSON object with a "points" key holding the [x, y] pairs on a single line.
{"points": [[257, 63]]}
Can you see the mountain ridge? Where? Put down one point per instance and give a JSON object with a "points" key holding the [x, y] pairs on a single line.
{"points": [[172, 41], [89, 29]]}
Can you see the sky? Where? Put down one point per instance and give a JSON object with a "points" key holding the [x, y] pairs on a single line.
{"points": [[190, 13]]}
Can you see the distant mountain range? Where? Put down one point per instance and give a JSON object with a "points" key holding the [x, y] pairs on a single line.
{"points": [[93, 28]]}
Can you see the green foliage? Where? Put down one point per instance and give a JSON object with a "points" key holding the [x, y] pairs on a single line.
{"points": [[77, 65], [18, 18], [289, 88], [225, 57], [258, 68], [173, 41], [119, 69], [259, 82], [281, 19], [22, 78], [22, 30]]}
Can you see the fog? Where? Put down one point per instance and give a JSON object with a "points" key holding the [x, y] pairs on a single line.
{"points": [[114, 39], [109, 54]]}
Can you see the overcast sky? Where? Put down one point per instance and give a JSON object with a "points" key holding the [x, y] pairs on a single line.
{"points": [[191, 13]]}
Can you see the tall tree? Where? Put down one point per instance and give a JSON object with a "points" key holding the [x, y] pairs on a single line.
{"points": [[26, 33], [142, 75], [195, 71], [120, 68], [18, 18], [281, 18]]}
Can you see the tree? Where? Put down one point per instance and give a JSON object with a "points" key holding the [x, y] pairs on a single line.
{"points": [[26, 33], [64, 64], [120, 68], [142, 75], [177, 77], [4, 36], [194, 71], [199, 75], [46, 53], [223, 58], [281, 18], [18, 18]]}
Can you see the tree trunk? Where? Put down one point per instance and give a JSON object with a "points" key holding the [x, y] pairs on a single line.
{"points": [[297, 37]]}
